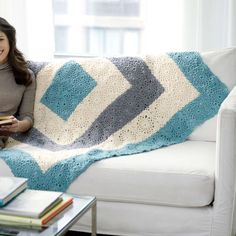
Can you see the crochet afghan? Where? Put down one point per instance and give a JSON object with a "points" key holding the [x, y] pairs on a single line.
{"points": [[90, 109]]}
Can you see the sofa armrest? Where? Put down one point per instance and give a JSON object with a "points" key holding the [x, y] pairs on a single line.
{"points": [[225, 167]]}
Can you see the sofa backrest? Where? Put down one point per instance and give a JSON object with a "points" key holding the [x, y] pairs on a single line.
{"points": [[223, 64]]}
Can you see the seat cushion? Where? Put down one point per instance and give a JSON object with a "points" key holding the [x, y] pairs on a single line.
{"points": [[178, 175]]}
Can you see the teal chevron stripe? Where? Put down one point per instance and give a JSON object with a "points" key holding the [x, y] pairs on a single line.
{"points": [[212, 94], [70, 81]]}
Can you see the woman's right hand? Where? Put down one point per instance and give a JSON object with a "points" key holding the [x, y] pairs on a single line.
{"points": [[5, 130]]}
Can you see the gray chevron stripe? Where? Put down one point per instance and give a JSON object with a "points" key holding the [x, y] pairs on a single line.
{"points": [[35, 138], [144, 90]]}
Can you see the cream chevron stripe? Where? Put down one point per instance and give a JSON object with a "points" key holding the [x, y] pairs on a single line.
{"points": [[162, 109], [44, 157], [107, 76]]}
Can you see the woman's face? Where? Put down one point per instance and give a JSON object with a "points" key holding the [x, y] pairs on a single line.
{"points": [[4, 48]]}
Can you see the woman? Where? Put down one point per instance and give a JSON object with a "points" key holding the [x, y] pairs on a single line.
{"points": [[17, 85]]}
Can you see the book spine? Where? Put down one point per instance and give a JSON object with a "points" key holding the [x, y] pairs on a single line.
{"points": [[20, 220], [48, 217], [1, 203]]}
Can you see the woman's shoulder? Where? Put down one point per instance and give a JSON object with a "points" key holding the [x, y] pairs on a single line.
{"points": [[33, 78]]}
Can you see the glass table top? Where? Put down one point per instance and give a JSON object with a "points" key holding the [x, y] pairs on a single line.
{"points": [[58, 225]]}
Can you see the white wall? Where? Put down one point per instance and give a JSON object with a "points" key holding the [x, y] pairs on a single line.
{"points": [[209, 24], [202, 25], [232, 21], [14, 12], [40, 29], [163, 26], [33, 21]]}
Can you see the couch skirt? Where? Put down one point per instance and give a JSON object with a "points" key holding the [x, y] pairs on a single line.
{"points": [[116, 218]]}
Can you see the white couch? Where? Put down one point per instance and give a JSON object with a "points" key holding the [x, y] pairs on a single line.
{"points": [[187, 189]]}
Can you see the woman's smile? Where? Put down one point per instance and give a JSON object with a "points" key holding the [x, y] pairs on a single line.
{"points": [[4, 48]]}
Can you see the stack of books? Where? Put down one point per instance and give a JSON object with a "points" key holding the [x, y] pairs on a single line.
{"points": [[22, 206]]}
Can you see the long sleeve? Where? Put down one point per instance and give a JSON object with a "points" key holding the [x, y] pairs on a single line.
{"points": [[26, 108]]}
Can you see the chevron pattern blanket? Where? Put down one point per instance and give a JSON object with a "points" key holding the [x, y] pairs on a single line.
{"points": [[90, 109]]}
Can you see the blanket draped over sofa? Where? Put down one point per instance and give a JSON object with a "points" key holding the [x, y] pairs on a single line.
{"points": [[90, 109]]}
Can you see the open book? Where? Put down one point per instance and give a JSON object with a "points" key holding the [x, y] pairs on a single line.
{"points": [[5, 120]]}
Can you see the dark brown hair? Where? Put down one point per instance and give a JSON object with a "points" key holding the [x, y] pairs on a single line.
{"points": [[15, 57]]}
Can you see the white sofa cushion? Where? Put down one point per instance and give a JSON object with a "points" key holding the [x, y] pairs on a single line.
{"points": [[178, 175], [223, 64]]}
